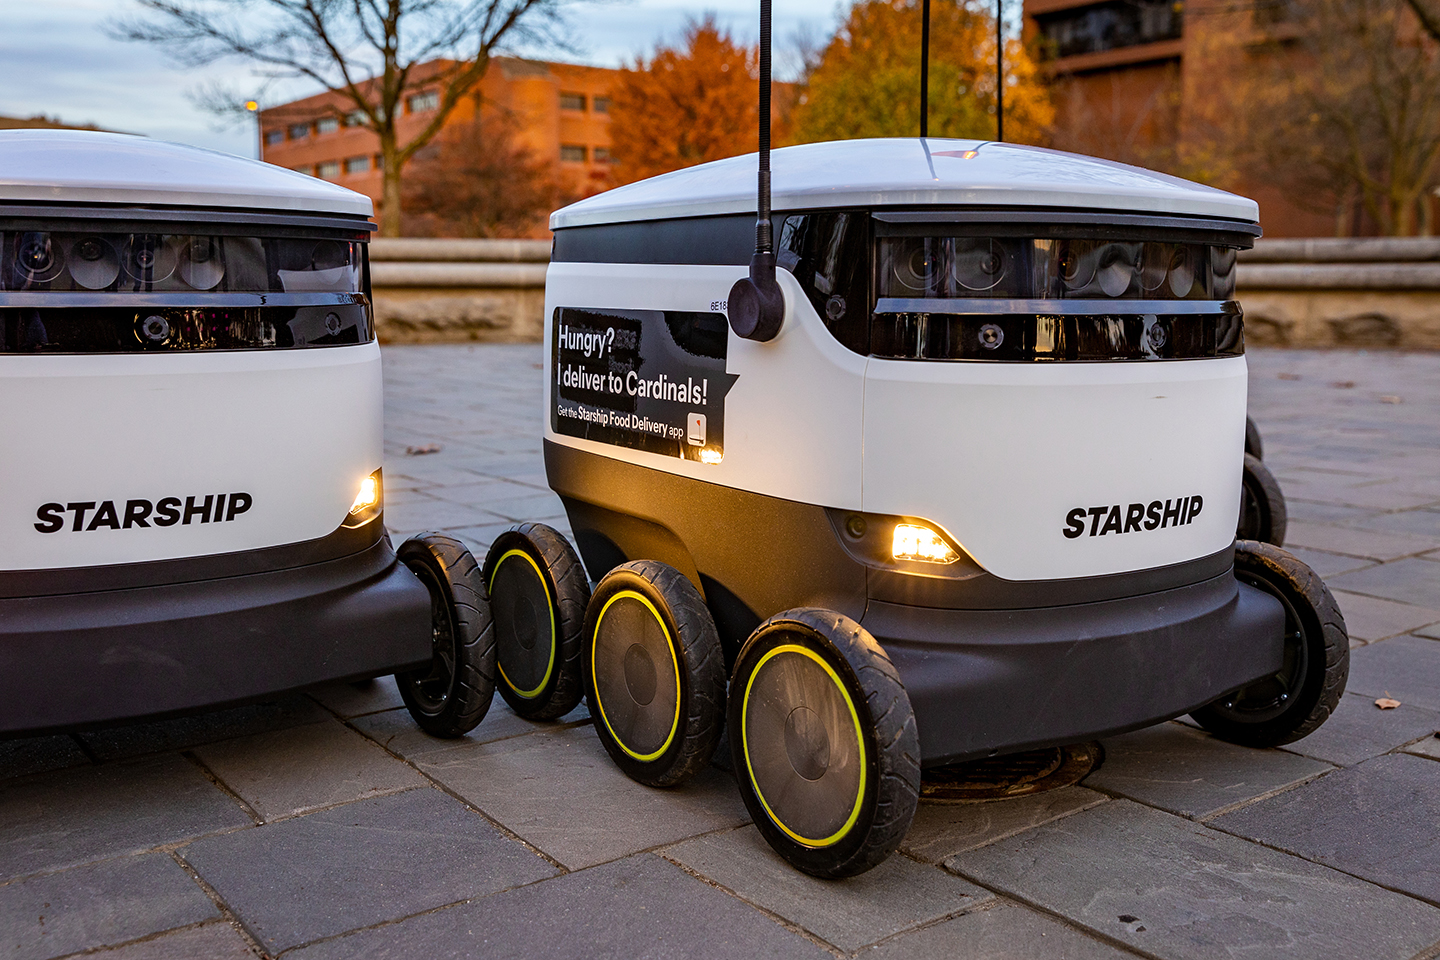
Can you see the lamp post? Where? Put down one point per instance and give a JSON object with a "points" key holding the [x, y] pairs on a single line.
{"points": [[254, 107]]}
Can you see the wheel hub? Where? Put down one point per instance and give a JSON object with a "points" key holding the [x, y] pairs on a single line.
{"points": [[806, 743]]}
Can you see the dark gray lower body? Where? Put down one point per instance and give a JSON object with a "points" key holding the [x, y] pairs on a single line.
{"points": [[991, 666], [115, 652]]}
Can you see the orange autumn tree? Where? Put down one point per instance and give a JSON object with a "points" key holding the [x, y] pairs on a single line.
{"points": [[688, 104], [867, 83]]}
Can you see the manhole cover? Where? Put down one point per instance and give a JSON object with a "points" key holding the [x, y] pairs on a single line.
{"points": [[1015, 775]]}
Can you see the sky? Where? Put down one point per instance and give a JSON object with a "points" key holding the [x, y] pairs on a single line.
{"points": [[56, 59]]}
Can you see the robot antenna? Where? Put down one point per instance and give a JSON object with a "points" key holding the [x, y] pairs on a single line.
{"points": [[756, 305]]}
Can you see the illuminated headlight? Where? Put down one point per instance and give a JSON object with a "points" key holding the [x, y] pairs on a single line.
{"points": [[914, 541], [369, 501]]}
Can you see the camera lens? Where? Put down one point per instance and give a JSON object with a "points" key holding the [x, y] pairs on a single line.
{"points": [[148, 258], [978, 264], [37, 259], [200, 263], [94, 264], [155, 329], [1117, 267]]}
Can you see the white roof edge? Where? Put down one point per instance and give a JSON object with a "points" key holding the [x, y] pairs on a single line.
{"points": [[90, 167], [911, 173]]}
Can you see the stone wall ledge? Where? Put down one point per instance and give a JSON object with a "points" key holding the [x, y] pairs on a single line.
{"points": [[1343, 250], [431, 250], [432, 275], [1337, 276]]}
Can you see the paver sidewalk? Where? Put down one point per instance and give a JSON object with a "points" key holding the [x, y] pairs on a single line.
{"points": [[325, 824]]}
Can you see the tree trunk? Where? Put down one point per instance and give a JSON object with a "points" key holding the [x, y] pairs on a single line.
{"points": [[390, 186]]}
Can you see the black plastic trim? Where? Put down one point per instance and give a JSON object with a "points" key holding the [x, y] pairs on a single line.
{"points": [[1062, 222], [94, 658], [343, 542], [217, 220]]}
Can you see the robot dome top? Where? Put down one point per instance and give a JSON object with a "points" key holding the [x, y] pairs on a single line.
{"points": [[90, 167], [909, 172]]}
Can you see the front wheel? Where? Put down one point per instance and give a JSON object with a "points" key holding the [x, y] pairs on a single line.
{"points": [[824, 743], [1294, 702], [449, 697]]}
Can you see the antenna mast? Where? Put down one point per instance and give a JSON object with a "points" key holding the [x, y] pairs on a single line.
{"points": [[924, 69], [999, 72], [757, 306]]}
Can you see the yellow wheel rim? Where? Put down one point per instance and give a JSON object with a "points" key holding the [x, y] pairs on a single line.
{"points": [[596, 677], [549, 608]]}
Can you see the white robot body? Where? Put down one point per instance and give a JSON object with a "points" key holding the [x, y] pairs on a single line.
{"points": [[193, 509]]}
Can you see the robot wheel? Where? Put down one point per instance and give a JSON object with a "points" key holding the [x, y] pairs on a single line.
{"points": [[1262, 505], [1297, 700], [654, 673], [538, 595], [824, 742], [450, 696]]}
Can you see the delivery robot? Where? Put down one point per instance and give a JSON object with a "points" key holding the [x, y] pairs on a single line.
{"points": [[194, 502], [952, 470]]}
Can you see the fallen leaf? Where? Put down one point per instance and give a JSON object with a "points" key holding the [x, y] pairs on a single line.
{"points": [[423, 449], [1385, 703], [1343, 384], [1288, 376], [1391, 399]]}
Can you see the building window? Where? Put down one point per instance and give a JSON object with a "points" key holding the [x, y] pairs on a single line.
{"points": [[572, 153], [1110, 26], [357, 164], [327, 124], [328, 170], [572, 101], [356, 118], [273, 137], [600, 154], [299, 131], [423, 102], [601, 104], [379, 161]]}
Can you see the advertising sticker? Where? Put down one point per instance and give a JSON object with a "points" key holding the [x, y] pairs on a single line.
{"points": [[652, 380]]}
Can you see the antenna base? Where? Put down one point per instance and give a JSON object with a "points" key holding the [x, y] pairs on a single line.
{"points": [[756, 306]]}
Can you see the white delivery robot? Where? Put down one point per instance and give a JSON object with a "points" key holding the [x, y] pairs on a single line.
{"points": [[971, 489], [193, 499]]}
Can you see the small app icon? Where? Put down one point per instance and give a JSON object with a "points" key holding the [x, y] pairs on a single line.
{"points": [[696, 432]]}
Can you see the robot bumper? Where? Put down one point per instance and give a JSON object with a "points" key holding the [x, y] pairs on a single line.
{"points": [[103, 644]]}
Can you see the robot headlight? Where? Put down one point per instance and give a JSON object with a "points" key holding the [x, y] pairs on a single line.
{"points": [[369, 501], [915, 541]]}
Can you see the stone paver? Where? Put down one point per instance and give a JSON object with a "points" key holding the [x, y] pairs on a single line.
{"points": [[179, 733], [396, 732], [360, 864], [79, 815], [1179, 889], [850, 914], [941, 830], [1359, 730], [1428, 747], [98, 905], [1366, 544], [561, 792], [1191, 773], [641, 908], [1403, 668], [1328, 564], [19, 758], [285, 772], [1379, 820], [210, 941], [1372, 618], [357, 699], [1411, 580], [1002, 931]]}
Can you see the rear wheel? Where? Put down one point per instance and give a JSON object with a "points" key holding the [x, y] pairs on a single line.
{"points": [[1262, 505], [1296, 701], [538, 594], [450, 696], [824, 742], [655, 673]]}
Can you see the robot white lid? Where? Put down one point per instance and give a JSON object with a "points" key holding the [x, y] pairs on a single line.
{"points": [[83, 166], [908, 173]]}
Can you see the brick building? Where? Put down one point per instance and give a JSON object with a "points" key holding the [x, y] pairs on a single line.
{"points": [[561, 112], [1128, 74]]}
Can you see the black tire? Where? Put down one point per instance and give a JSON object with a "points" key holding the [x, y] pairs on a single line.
{"points": [[1262, 506], [832, 807], [538, 595], [1295, 702], [654, 673], [1253, 444], [450, 697]]}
